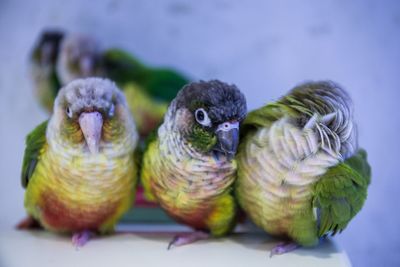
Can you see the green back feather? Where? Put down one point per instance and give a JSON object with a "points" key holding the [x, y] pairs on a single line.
{"points": [[163, 83], [121, 67], [160, 83], [34, 143]]}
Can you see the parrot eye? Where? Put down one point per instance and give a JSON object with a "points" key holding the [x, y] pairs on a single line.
{"points": [[111, 110], [202, 117], [69, 112]]}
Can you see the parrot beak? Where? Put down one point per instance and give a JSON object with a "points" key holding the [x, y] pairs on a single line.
{"points": [[86, 64], [91, 124], [228, 138]]}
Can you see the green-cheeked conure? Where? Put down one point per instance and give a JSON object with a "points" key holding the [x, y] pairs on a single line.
{"points": [[148, 90], [189, 167], [301, 174], [78, 167]]}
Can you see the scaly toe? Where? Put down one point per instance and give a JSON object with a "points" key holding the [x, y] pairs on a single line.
{"points": [[81, 238], [184, 239], [283, 248]]}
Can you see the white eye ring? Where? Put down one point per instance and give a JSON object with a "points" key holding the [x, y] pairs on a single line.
{"points": [[69, 112], [202, 117], [111, 110]]}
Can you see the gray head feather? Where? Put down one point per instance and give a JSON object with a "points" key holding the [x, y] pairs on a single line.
{"points": [[222, 101], [96, 93]]}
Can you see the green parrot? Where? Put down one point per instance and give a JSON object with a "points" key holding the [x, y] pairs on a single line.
{"points": [[78, 167], [148, 90], [301, 174], [189, 168]]}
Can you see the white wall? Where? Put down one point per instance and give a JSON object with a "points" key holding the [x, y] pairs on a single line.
{"points": [[265, 47]]}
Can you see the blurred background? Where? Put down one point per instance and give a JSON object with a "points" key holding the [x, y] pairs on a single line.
{"points": [[264, 47]]}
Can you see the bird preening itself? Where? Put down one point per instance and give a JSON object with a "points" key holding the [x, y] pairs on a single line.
{"points": [[79, 168], [189, 167], [301, 173]]}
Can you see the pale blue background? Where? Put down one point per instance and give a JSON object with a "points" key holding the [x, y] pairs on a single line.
{"points": [[265, 47]]}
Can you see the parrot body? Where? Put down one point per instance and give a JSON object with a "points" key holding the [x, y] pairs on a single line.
{"points": [[301, 174], [189, 184], [78, 168], [186, 169]]}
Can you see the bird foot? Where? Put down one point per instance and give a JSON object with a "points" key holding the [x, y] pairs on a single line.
{"points": [[79, 239], [187, 238], [28, 224], [283, 247]]}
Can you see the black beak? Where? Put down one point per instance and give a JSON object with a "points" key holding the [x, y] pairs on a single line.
{"points": [[228, 138]]}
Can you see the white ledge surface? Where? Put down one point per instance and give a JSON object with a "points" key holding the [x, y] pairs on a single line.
{"points": [[135, 247]]}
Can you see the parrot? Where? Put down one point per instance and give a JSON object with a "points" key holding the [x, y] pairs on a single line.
{"points": [[78, 168], [43, 67], [301, 174], [189, 168], [148, 90]]}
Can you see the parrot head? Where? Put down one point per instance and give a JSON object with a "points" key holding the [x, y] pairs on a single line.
{"points": [[209, 114], [91, 113], [45, 52], [79, 57]]}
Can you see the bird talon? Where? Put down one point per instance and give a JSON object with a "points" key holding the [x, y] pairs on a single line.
{"points": [[184, 239], [79, 239], [172, 242], [282, 248]]}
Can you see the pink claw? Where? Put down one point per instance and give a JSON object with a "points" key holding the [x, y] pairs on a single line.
{"points": [[283, 247], [188, 238], [79, 239]]}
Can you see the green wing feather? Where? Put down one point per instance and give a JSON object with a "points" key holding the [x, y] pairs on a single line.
{"points": [[160, 83], [34, 143], [265, 116], [359, 163], [121, 67], [340, 194], [163, 83]]}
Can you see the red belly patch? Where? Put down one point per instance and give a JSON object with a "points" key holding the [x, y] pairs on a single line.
{"points": [[61, 216]]}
